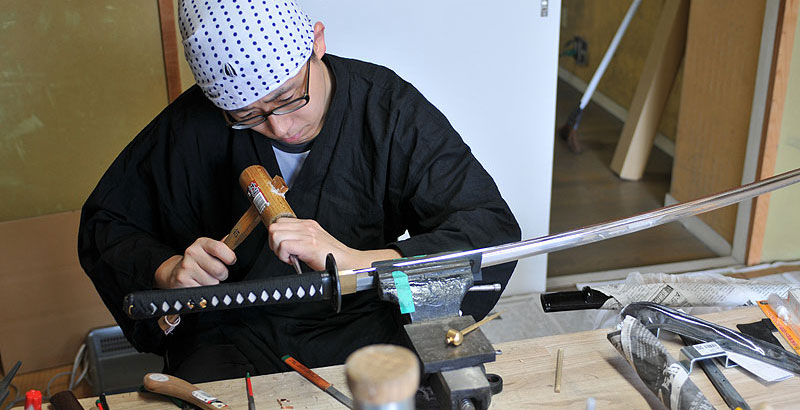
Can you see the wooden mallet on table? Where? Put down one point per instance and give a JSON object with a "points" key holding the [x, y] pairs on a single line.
{"points": [[383, 377], [267, 204]]}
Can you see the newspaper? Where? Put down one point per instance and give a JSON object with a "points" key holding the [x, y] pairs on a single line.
{"points": [[659, 371], [704, 289]]}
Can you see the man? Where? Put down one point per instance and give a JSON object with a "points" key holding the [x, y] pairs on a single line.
{"points": [[366, 158]]}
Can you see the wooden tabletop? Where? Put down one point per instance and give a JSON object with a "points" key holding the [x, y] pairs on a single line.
{"points": [[591, 368]]}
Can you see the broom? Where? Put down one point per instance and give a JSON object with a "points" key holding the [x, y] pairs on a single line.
{"points": [[569, 131]]}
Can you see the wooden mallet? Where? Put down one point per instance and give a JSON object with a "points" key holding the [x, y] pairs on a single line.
{"points": [[267, 196]]}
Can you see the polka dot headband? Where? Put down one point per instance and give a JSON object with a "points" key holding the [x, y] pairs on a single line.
{"points": [[241, 50]]}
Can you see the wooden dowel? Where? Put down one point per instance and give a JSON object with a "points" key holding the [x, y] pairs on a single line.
{"points": [[559, 366]]}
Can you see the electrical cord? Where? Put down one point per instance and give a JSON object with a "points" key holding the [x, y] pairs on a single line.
{"points": [[80, 359], [47, 389], [80, 364], [15, 399]]}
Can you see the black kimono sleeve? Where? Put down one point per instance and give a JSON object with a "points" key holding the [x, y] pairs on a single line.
{"points": [[117, 241], [147, 207]]}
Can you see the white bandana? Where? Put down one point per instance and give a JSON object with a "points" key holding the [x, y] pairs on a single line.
{"points": [[241, 50]]}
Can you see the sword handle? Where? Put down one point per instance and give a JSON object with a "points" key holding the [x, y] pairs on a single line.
{"points": [[312, 286], [586, 298]]}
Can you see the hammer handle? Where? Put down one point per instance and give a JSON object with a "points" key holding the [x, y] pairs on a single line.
{"points": [[243, 227]]}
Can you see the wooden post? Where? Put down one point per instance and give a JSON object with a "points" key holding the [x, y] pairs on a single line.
{"points": [[773, 116], [660, 70], [169, 44]]}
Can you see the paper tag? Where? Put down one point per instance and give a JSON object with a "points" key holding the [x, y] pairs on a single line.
{"points": [[208, 399], [203, 396], [766, 372], [708, 348]]}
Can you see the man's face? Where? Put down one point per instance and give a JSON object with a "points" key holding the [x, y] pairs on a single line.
{"points": [[299, 126]]}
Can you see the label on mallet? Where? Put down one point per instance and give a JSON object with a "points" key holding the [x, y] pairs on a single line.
{"points": [[255, 194]]}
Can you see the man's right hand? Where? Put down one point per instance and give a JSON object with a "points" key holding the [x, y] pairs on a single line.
{"points": [[203, 263]]}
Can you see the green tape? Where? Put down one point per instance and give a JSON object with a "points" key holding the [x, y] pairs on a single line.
{"points": [[404, 297]]}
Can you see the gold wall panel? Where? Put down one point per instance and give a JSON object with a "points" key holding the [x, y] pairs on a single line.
{"points": [[78, 80]]}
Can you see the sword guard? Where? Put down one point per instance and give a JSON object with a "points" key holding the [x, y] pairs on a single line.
{"points": [[336, 284]]}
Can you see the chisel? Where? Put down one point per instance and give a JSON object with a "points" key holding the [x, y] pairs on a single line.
{"points": [[318, 381]]}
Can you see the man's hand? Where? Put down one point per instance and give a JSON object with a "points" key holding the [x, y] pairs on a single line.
{"points": [[311, 244], [203, 263]]}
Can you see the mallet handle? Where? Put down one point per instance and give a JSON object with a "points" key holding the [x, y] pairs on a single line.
{"points": [[243, 227], [176, 387]]}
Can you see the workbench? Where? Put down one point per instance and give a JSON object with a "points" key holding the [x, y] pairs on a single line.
{"points": [[591, 368]]}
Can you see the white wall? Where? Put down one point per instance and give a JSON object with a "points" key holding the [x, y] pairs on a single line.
{"points": [[490, 67]]}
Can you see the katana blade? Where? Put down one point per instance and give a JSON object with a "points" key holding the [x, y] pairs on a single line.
{"points": [[297, 288]]}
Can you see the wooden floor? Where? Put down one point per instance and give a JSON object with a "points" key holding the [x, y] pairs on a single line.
{"points": [[585, 191]]}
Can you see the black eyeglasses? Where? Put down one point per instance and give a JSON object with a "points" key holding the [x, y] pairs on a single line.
{"points": [[287, 108]]}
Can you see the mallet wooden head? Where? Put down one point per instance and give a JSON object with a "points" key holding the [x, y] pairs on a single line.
{"points": [[266, 194]]}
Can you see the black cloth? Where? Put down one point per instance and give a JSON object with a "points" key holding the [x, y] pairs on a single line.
{"points": [[385, 161]]}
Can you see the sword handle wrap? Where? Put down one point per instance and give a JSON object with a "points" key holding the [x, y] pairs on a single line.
{"points": [[312, 286]]}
